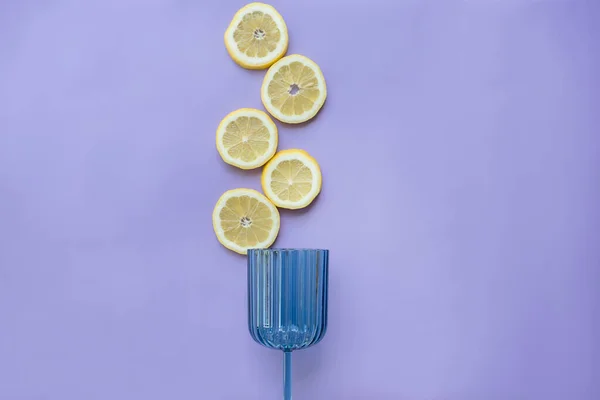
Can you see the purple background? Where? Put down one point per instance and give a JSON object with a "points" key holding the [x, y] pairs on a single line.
{"points": [[460, 152]]}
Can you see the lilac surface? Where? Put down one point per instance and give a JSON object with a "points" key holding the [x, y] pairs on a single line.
{"points": [[459, 147]]}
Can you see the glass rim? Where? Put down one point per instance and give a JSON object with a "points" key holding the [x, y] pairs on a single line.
{"points": [[288, 249]]}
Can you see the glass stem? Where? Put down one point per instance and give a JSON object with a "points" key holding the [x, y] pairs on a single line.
{"points": [[287, 375]]}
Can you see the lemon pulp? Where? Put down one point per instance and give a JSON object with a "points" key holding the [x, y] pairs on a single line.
{"points": [[257, 34]]}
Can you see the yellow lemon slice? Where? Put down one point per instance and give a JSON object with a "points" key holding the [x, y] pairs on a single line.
{"points": [[294, 90], [257, 36], [245, 219], [292, 179], [247, 138]]}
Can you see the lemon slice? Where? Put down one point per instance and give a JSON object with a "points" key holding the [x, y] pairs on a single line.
{"points": [[292, 179], [257, 36], [294, 90], [245, 219], [247, 138]]}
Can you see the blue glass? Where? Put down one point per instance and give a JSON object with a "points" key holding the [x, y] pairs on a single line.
{"points": [[287, 301]]}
